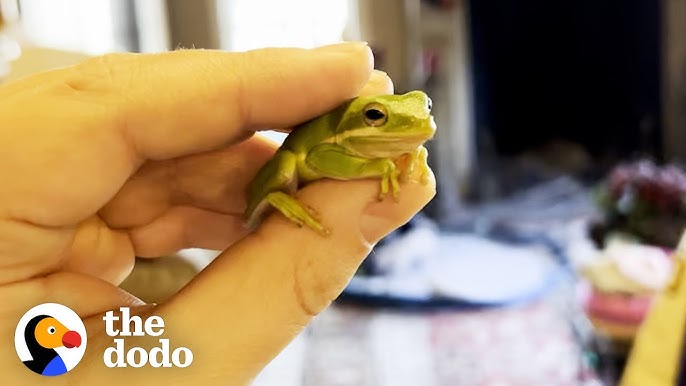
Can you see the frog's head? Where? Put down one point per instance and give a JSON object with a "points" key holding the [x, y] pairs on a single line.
{"points": [[383, 126]]}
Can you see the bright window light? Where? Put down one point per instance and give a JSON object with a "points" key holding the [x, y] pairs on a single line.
{"points": [[249, 24], [74, 25]]}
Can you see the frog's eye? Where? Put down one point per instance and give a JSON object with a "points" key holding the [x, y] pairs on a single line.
{"points": [[375, 114], [429, 104]]}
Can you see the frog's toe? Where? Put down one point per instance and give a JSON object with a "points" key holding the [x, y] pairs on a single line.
{"points": [[313, 212], [298, 222], [317, 226], [384, 188], [324, 231], [424, 176], [395, 185], [383, 193]]}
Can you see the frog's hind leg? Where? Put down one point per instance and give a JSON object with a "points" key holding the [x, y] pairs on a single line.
{"points": [[275, 187], [295, 211]]}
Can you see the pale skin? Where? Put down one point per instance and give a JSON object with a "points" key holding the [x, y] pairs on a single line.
{"points": [[143, 155]]}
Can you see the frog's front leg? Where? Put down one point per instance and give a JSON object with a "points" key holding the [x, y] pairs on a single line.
{"points": [[407, 163], [422, 161], [333, 161]]}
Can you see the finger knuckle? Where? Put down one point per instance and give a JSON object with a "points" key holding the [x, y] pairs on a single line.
{"points": [[320, 278], [104, 73]]}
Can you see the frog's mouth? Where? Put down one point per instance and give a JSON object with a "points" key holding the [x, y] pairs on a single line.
{"points": [[387, 145], [372, 142], [412, 139]]}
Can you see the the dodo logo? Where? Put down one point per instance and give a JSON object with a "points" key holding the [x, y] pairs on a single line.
{"points": [[50, 339]]}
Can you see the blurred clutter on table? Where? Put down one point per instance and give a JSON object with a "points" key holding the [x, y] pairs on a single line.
{"points": [[560, 160]]}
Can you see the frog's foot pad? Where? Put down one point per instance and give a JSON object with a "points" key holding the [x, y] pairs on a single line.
{"points": [[295, 211]]}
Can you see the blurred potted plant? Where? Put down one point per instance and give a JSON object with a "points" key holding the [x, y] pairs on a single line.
{"points": [[643, 214], [644, 201]]}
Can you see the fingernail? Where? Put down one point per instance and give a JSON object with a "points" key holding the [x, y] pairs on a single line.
{"points": [[344, 48], [380, 82], [379, 77]]}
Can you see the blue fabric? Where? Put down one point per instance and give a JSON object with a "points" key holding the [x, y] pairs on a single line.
{"points": [[55, 367]]}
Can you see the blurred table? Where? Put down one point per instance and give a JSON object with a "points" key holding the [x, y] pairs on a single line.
{"points": [[529, 345]]}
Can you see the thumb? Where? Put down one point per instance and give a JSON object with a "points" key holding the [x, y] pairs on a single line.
{"points": [[259, 294]]}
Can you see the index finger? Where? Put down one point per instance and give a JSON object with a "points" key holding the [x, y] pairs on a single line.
{"points": [[182, 102], [223, 96], [100, 120], [378, 83]]}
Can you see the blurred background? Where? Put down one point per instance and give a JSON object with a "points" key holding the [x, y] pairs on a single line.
{"points": [[559, 157]]}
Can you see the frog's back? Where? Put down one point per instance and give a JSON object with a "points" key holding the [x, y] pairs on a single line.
{"points": [[282, 172], [277, 174], [311, 133]]}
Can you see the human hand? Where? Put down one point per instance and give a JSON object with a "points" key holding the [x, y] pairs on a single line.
{"points": [[141, 155]]}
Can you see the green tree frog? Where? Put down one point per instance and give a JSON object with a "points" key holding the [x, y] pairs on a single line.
{"points": [[367, 137]]}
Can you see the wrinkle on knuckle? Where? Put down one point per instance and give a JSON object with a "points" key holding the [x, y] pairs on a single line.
{"points": [[240, 94], [122, 121], [266, 67], [318, 282], [308, 300], [228, 94], [31, 291], [114, 72]]}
